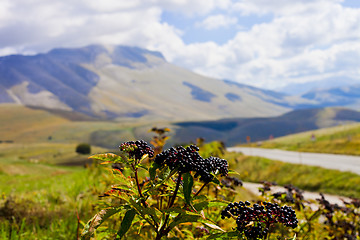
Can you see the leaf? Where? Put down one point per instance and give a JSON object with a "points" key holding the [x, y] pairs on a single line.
{"points": [[213, 226], [108, 157], [217, 204], [97, 220], [188, 183], [144, 157], [122, 179], [202, 205], [184, 219], [145, 212], [225, 235], [233, 172], [215, 180], [126, 223], [208, 204], [152, 170]]}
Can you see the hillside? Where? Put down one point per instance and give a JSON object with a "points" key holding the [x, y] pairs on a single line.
{"points": [[346, 96], [234, 131], [121, 82], [343, 139]]}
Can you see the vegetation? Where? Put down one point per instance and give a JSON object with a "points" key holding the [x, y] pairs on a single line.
{"points": [[46, 193], [83, 148], [177, 194], [339, 140], [316, 179]]}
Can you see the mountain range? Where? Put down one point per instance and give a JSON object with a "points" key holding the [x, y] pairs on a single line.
{"points": [[122, 82], [236, 130]]}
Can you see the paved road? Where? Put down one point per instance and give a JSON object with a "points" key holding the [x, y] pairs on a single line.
{"points": [[332, 161]]}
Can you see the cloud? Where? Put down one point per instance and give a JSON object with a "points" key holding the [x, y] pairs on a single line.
{"points": [[312, 41], [300, 40], [217, 21]]}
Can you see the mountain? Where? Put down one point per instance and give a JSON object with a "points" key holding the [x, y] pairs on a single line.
{"points": [[299, 89], [121, 82], [235, 131], [348, 96]]}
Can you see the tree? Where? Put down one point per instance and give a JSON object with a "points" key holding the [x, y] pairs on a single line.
{"points": [[83, 148]]}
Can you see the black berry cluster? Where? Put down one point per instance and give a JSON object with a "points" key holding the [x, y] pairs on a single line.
{"points": [[188, 159], [136, 149], [231, 182], [341, 220], [255, 221]]}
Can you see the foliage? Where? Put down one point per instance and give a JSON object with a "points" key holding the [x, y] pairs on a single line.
{"points": [[43, 201], [161, 195], [83, 148]]}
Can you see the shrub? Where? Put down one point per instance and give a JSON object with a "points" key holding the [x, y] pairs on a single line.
{"points": [[83, 148]]}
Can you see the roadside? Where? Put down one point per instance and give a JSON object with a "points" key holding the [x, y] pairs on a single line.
{"points": [[330, 161], [334, 199]]}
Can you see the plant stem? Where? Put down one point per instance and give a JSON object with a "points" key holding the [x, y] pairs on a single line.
{"points": [[140, 193], [202, 187], [137, 181], [163, 231], [172, 200]]}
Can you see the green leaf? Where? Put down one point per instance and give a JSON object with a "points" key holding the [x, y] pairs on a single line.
{"points": [[226, 235], [152, 170], [97, 220], [126, 223], [208, 204], [188, 183], [145, 213], [233, 172], [184, 219], [202, 205], [215, 180], [108, 157], [213, 226], [218, 204]]}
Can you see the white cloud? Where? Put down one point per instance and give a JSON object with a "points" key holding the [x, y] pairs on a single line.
{"points": [[315, 40], [217, 21], [304, 39], [191, 7]]}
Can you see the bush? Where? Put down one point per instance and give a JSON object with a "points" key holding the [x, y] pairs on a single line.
{"points": [[83, 148]]}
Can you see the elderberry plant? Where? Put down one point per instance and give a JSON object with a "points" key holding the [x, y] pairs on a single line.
{"points": [[255, 221], [156, 193]]}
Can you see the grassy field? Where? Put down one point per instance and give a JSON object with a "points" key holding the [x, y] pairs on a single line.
{"points": [[343, 139], [46, 193], [315, 179]]}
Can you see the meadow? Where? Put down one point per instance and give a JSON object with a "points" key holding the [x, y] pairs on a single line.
{"points": [[343, 139], [48, 191]]}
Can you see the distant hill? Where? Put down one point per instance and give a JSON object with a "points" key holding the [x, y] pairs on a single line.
{"points": [[348, 96], [234, 131], [121, 82], [327, 83]]}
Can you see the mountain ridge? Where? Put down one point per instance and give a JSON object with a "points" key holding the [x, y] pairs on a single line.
{"points": [[112, 82], [131, 83]]}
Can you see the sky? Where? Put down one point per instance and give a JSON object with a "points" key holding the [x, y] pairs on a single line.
{"points": [[263, 43]]}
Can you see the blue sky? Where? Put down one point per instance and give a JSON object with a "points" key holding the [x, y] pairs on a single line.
{"points": [[264, 43]]}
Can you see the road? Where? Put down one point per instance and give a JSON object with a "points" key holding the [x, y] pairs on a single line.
{"points": [[334, 199], [331, 161]]}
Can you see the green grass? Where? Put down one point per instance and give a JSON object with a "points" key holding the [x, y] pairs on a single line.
{"points": [[338, 140], [316, 179], [44, 205]]}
